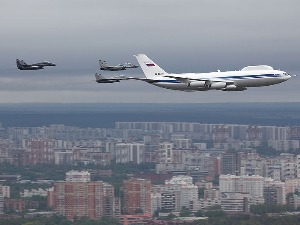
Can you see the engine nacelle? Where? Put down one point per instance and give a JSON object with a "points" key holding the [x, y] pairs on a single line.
{"points": [[218, 85], [232, 87], [197, 84]]}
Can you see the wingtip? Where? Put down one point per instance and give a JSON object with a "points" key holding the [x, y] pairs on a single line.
{"points": [[136, 55]]}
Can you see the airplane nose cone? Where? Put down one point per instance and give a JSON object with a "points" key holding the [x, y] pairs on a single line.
{"points": [[287, 77]]}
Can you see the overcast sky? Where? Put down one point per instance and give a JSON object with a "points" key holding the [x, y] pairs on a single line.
{"points": [[180, 36]]}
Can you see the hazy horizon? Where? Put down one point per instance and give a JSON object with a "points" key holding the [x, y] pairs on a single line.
{"points": [[104, 115]]}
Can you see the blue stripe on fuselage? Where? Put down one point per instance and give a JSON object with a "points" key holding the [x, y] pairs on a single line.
{"points": [[168, 81], [228, 77], [249, 76]]}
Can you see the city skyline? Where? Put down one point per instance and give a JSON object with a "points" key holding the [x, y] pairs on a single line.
{"points": [[148, 167], [187, 37], [187, 157]]}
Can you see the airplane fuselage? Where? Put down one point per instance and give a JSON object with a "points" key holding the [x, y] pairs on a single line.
{"points": [[30, 67], [239, 79], [44, 64]]}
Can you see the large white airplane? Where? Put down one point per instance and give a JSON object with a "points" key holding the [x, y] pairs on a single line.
{"points": [[250, 76]]}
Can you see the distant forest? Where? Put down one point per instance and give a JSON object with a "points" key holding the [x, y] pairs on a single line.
{"points": [[227, 220], [105, 115]]}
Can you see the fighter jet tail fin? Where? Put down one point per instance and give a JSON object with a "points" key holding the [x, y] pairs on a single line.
{"points": [[20, 64], [149, 68], [98, 77], [102, 63]]}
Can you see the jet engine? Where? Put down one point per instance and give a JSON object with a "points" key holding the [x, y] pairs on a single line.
{"points": [[218, 85], [232, 87], [197, 84]]}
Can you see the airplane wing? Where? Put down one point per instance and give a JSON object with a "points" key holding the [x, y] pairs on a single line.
{"points": [[208, 80], [43, 64], [214, 82]]}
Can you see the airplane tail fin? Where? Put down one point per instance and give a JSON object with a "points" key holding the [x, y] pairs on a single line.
{"points": [[149, 68], [102, 63], [20, 63], [98, 77]]}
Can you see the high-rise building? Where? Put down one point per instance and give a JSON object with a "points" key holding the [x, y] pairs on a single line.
{"points": [[39, 151], [117, 207], [284, 145], [288, 166], [183, 143], [292, 185], [130, 152], [109, 203], [5, 191], [252, 185], [83, 199], [165, 152], [64, 157], [155, 201], [298, 166], [251, 164], [168, 198], [178, 192], [136, 196], [92, 155], [274, 195], [231, 163], [220, 133], [254, 133]]}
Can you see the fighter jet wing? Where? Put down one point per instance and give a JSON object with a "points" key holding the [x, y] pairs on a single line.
{"points": [[45, 63], [101, 79]]}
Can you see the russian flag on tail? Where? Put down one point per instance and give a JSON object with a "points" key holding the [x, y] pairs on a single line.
{"points": [[150, 64]]}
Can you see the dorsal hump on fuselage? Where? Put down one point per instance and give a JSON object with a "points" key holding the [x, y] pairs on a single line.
{"points": [[259, 67]]}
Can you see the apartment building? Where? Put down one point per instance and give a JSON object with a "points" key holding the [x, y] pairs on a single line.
{"points": [[83, 199], [130, 152], [136, 196]]}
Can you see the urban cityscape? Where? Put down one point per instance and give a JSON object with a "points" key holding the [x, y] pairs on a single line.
{"points": [[149, 172], [149, 112]]}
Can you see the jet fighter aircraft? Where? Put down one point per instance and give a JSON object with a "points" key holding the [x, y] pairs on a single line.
{"points": [[36, 66], [129, 65], [104, 66]]}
